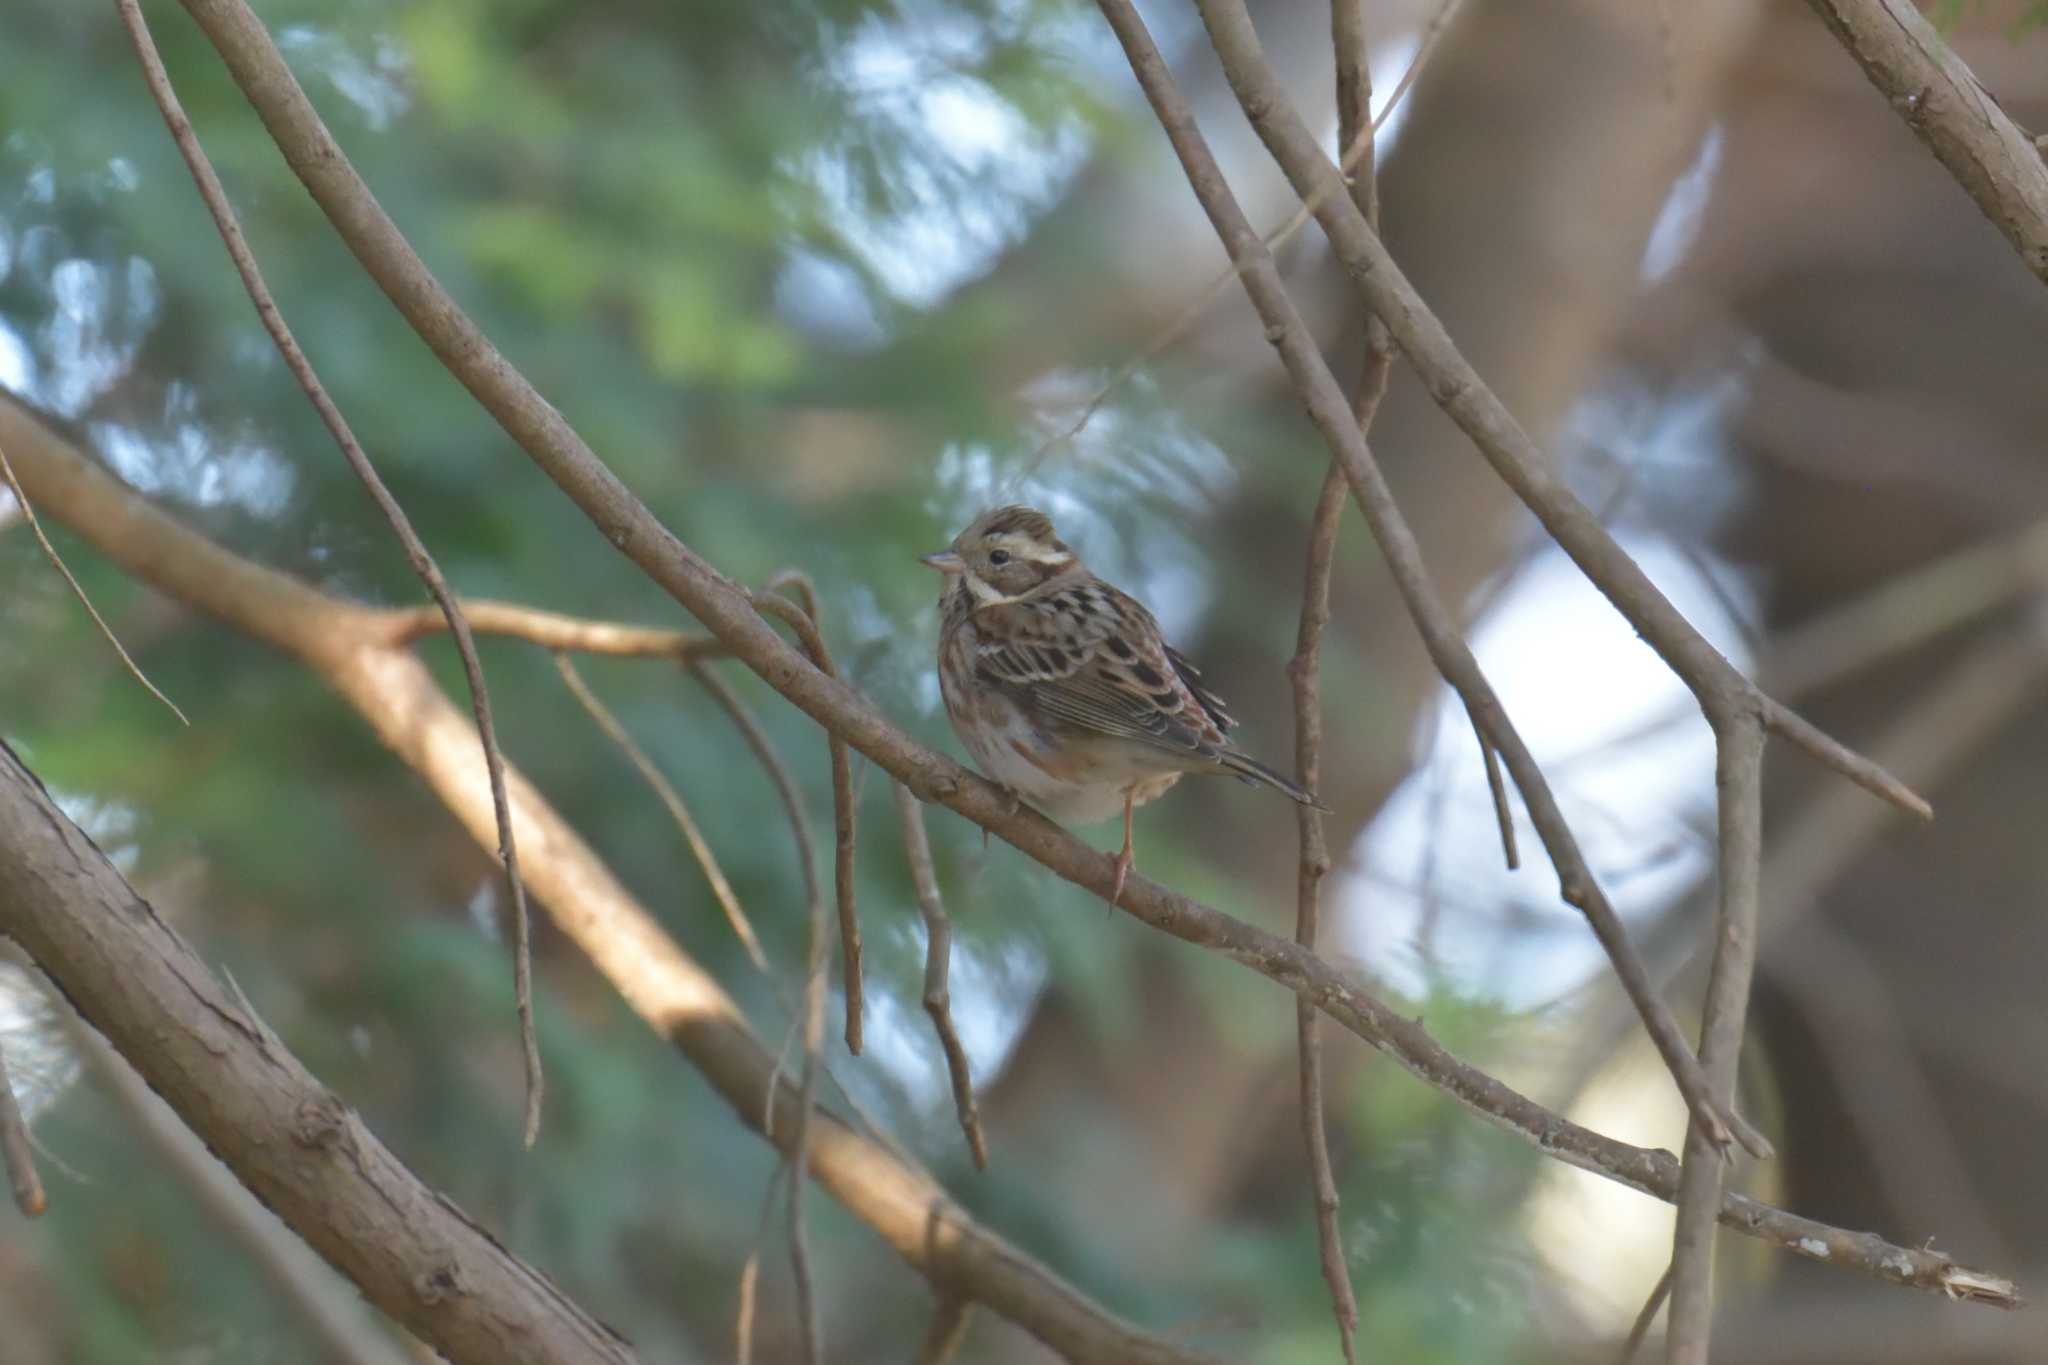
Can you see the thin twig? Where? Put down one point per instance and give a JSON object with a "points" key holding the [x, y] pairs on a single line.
{"points": [[541, 431], [700, 848], [810, 1328], [1354, 105], [811, 1015], [804, 621], [1464, 396], [395, 694], [1497, 786], [948, 1329], [15, 1147], [749, 1310], [1324, 402], [1738, 783], [786, 790], [553, 630], [1358, 151], [938, 951], [28, 514], [210, 190], [1305, 674], [1639, 1332]]}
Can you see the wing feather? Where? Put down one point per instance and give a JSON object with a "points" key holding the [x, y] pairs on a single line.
{"points": [[1090, 657]]}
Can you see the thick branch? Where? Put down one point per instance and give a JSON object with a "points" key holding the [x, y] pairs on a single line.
{"points": [[1945, 105], [290, 1139]]}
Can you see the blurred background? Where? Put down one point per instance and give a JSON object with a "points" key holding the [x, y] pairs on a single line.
{"points": [[822, 279]]}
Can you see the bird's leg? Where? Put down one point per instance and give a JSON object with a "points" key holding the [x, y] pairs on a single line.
{"points": [[1123, 859]]}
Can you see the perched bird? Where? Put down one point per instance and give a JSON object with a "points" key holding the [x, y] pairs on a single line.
{"points": [[1062, 687]]}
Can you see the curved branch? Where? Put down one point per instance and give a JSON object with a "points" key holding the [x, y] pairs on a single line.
{"points": [[396, 694]]}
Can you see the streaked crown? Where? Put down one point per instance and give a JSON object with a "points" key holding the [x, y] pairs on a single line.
{"points": [[1003, 554]]}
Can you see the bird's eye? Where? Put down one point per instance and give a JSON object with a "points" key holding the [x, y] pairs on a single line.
{"points": [[999, 557]]}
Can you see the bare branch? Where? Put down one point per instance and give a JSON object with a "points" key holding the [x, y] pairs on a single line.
{"points": [[28, 514], [16, 1151], [1738, 782], [1639, 1332], [1465, 398], [210, 190], [749, 1310], [1357, 153], [291, 1140], [397, 696], [938, 950], [1324, 402], [809, 1329], [1304, 671], [727, 612], [1949, 109], [700, 848], [552, 630], [805, 623]]}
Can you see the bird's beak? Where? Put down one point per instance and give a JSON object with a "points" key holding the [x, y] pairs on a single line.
{"points": [[945, 561]]}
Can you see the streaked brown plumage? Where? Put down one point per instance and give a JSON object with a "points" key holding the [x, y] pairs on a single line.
{"points": [[1062, 687]]}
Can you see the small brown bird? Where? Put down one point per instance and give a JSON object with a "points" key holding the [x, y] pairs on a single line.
{"points": [[1062, 687]]}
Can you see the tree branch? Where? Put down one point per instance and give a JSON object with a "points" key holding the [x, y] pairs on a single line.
{"points": [[938, 949], [1738, 781], [1948, 108], [289, 1139], [553, 630], [392, 691], [215, 196], [1324, 402], [665, 791], [1463, 395], [805, 623], [17, 1153], [397, 696]]}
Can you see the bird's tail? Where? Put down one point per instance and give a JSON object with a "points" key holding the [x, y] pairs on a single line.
{"points": [[1248, 769]]}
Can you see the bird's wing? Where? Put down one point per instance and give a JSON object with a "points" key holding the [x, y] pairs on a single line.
{"points": [[1090, 657]]}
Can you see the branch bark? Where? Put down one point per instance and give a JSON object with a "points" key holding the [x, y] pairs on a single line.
{"points": [[1325, 405], [1463, 395], [347, 645], [683, 1003], [1948, 108], [216, 199], [289, 1139]]}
